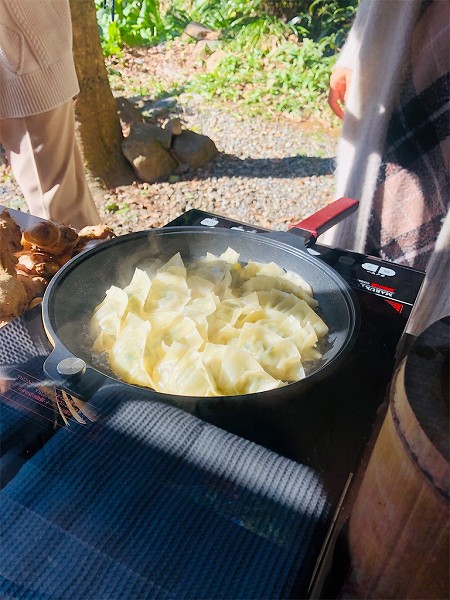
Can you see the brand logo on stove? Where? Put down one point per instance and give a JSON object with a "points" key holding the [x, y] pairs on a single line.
{"points": [[377, 288], [377, 270]]}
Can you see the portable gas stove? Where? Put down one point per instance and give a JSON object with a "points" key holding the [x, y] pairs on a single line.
{"points": [[330, 430]]}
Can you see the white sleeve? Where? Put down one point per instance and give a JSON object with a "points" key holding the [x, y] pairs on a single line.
{"points": [[349, 53]]}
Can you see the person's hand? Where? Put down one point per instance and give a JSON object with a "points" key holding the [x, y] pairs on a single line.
{"points": [[339, 85]]}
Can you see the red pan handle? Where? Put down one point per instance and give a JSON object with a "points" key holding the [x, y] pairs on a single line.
{"points": [[325, 218]]}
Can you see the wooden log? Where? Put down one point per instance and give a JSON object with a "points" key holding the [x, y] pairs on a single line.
{"points": [[399, 526]]}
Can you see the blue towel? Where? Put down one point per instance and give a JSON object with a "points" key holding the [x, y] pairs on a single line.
{"points": [[151, 502]]}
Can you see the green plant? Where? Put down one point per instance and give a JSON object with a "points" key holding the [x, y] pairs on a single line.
{"points": [[225, 14], [129, 23], [271, 64], [291, 77], [329, 19]]}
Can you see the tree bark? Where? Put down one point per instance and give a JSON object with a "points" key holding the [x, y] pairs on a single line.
{"points": [[98, 125]]}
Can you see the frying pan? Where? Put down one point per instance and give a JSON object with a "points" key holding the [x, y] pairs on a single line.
{"points": [[80, 286]]}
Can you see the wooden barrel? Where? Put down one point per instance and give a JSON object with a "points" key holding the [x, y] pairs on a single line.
{"points": [[399, 525]]}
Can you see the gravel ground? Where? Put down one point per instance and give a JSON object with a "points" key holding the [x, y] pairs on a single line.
{"points": [[268, 173]]}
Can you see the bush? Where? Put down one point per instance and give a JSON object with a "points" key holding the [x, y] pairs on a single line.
{"points": [[129, 23], [278, 53]]}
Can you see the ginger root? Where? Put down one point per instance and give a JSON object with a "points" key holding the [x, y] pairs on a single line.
{"points": [[92, 233], [10, 236], [50, 237], [37, 263], [33, 284], [30, 258], [13, 297], [95, 232]]}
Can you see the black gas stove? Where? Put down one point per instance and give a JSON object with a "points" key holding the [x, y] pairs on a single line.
{"points": [[329, 426]]}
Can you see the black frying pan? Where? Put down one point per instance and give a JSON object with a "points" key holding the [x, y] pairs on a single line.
{"points": [[80, 286]]}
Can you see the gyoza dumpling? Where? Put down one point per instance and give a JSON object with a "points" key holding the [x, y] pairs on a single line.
{"points": [[227, 313], [168, 292], [271, 269], [288, 327], [272, 298], [174, 265], [203, 303], [181, 371], [230, 256], [108, 315], [249, 303], [306, 340], [137, 291], [126, 357], [179, 329], [183, 330], [216, 271], [291, 305], [198, 311], [267, 282], [253, 382], [278, 356], [227, 335], [199, 286], [298, 280], [103, 342], [252, 269], [236, 372], [225, 316]]}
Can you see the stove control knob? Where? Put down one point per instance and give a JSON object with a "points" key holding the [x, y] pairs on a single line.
{"points": [[71, 367]]}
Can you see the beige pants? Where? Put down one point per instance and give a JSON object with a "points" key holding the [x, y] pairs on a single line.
{"points": [[46, 161]]}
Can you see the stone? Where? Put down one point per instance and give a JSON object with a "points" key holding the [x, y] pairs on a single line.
{"points": [[173, 126], [203, 49], [212, 62], [160, 109], [193, 149], [197, 31], [147, 149], [144, 132], [128, 113]]}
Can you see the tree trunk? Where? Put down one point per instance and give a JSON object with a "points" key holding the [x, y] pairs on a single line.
{"points": [[98, 125]]}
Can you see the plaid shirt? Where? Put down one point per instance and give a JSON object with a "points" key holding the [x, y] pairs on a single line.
{"points": [[412, 194]]}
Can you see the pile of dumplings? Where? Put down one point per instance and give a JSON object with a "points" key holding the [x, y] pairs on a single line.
{"points": [[214, 327]]}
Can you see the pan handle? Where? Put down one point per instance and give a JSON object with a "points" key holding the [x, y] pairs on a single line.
{"points": [[72, 374], [313, 226]]}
